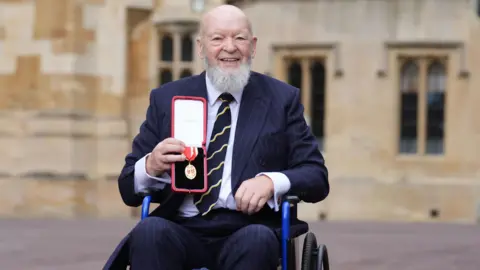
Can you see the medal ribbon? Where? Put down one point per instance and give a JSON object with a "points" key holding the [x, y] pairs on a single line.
{"points": [[190, 153]]}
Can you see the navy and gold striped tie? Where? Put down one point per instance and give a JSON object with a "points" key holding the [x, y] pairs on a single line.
{"points": [[216, 152]]}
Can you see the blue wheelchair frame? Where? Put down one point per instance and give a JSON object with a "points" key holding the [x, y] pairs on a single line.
{"points": [[288, 263]]}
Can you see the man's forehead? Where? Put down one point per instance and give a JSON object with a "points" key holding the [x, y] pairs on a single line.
{"points": [[226, 29], [225, 18], [226, 25]]}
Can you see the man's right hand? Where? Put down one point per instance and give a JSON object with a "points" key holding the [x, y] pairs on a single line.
{"points": [[163, 155]]}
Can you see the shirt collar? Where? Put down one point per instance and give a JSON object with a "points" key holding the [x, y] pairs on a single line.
{"points": [[213, 93]]}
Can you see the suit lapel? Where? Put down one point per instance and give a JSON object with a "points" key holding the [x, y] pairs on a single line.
{"points": [[251, 117], [198, 87]]}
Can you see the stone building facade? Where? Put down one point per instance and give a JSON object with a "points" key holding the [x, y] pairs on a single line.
{"points": [[389, 87]]}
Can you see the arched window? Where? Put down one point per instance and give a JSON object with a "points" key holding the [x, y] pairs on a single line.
{"points": [[409, 87], [185, 73], [187, 48], [423, 87], [317, 99], [166, 48], [165, 76], [294, 74], [435, 108], [176, 49]]}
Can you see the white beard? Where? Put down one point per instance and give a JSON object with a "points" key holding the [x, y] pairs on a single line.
{"points": [[230, 82]]}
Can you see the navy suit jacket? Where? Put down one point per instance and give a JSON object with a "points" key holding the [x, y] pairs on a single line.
{"points": [[271, 136]]}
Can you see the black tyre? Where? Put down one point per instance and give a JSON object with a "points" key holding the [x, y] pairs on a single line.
{"points": [[322, 258], [291, 259], [309, 253]]}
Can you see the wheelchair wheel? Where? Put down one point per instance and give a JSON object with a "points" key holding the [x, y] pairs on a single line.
{"points": [[322, 257], [309, 253]]}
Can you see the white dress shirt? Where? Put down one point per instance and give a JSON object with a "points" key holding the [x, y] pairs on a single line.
{"points": [[226, 199]]}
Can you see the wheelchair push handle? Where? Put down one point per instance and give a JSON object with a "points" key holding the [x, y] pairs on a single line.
{"points": [[292, 199]]}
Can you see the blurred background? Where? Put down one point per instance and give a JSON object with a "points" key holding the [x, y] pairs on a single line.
{"points": [[390, 89]]}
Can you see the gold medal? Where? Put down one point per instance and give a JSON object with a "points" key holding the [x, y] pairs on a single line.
{"points": [[190, 154], [190, 171]]}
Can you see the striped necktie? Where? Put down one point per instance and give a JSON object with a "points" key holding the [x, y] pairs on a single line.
{"points": [[216, 152]]}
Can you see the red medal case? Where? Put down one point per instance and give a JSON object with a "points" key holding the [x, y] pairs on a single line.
{"points": [[189, 122]]}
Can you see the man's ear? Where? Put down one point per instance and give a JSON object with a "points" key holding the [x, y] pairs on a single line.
{"points": [[254, 47], [200, 48]]}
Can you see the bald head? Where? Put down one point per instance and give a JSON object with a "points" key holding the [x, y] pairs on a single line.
{"points": [[223, 15], [227, 46]]}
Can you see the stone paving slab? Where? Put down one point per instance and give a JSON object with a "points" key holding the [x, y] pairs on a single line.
{"points": [[86, 244]]}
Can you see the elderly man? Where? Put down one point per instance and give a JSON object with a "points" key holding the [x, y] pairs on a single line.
{"points": [[269, 151]]}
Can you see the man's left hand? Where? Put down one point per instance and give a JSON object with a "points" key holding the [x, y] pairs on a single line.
{"points": [[253, 193]]}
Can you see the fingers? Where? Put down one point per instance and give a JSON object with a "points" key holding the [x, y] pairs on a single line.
{"points": [[248, 201], [252, 205], [260, 204], [165, 153], [245, 201], [239, 196], [165, 161], [171, 158], [171, 145], [170, 150], [173, 141], [256, 204]]}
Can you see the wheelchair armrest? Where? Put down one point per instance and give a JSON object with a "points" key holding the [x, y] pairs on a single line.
{"points": [[292, 199], [291, 202], [147, 199], [289, 212], [144, 193]]}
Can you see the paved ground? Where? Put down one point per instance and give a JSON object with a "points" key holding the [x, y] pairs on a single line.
{"points": [[85, 244]]}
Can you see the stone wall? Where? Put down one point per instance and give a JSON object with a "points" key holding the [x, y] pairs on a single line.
{"points": [[63, 132], [369, 179], [75, 78]]}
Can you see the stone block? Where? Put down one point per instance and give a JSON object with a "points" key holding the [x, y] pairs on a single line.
{"points": [[12, 196], [60, 127], [62, 22], [78, 126], [62, 198], [37, 198], [370, 200], [111, 127], [62, 155], [111, 154], [10, 126], [108, 201], [11, 159]]}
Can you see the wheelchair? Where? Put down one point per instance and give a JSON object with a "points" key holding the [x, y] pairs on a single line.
{"points": [[314, 256]]}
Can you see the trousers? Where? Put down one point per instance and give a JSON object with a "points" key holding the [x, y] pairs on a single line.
{"points": [[224, 240]]}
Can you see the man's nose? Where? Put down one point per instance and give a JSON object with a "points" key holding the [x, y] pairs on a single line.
{"points": [[229, 45]]}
